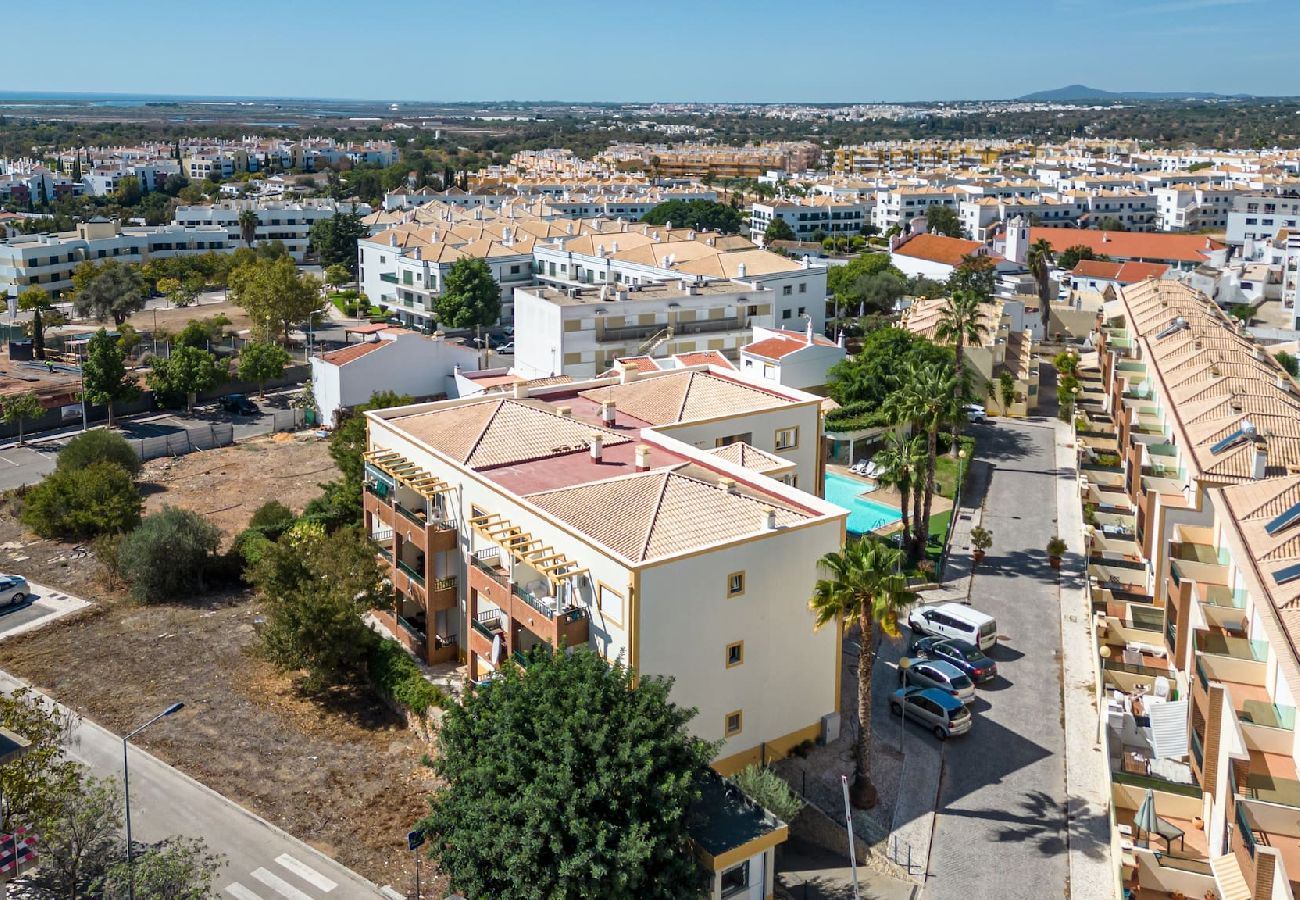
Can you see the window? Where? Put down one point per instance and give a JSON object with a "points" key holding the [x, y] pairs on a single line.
{"points": [[803, 311], [735, 654], [735, 584], [732, 723], [787, 438], [803, 288], [786, 313], [787, 290], [735, 880], [792, 479], [610, 602]]}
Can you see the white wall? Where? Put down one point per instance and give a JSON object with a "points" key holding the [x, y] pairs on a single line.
{"points": [[762, 426]]}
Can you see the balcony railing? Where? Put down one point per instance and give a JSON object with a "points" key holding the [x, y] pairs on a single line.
{"points": [[412, 515], [488, 565], [388, 277], [1198, 750], [1228, 645], [1114, 665], [1247, 833], [1268, 715], [1201, 676], [409, 627], [484, 628], [411, 571], [444, 584], [571, 614], [1156, 784]]}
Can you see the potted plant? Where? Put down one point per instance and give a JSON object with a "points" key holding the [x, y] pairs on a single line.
{"points": [[1055, 550], [981, 539]]}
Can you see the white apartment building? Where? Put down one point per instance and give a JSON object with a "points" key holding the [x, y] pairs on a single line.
{"points": [[829, 215], [610, 514], [582, 332], [1259, 217], [1195, 207], [288, 223], [899, 205], [48, 260], [794, 359]]}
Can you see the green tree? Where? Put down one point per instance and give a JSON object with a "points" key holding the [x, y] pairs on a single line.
{"points": [[337, 275], [862, 383], [248, 222], [316, 588], [35, 786], [470, 297], [944, 220], [273, 294], [261, 362], [961, 322], [38, 302], [202, 333], [926, 402], [185, 373], [180, 292], [770, 791], [114, 292], [19, 408], [1070, 256], [975, 275], [863, 585], [105, 379], [167, 557], [701, 215], [902, 463], [335, 239], [80, 838], [1110, 223], [272, 518], [569, 732], [81, 503], [1006, 390], [98, 445], [1288, 362], [1066, 362], [176, 868], [129, 192], [1040, 261], [778, 230]]}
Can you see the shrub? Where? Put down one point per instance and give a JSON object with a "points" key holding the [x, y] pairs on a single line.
{"points": [[168, 555], [100, 498], [96, 446], [393, 672], [105, 548], [272, 519], [981, 538], [1056, 547], [251, 546], [770, 791]]}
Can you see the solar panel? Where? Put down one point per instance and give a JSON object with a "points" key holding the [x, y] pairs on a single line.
{"points": [[1234, 438], [1290, 573], [1286, 520]]}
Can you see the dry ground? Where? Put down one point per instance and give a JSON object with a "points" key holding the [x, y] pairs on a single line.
{"points": [[173, 320], [341, 773]]}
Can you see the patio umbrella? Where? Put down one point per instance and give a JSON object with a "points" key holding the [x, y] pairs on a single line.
{"points": [[1145, 820]]}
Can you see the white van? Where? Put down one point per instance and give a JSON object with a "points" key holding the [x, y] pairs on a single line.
{"points": [[954, 621]]}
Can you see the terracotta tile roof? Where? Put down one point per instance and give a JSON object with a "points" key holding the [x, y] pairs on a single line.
{"points": [[640, 363], [500, 431], [803, 336], [1121, 272], [662, 513], [704, 358], [938, 248], [345, 355], [1126, 245], [752, 458], [683, 397], [774, 348]]}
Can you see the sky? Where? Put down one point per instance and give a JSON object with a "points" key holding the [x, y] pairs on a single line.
{"points": [[672, 50]]}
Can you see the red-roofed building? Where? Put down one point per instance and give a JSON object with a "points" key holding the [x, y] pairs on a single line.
{"points": [[789, 358], [1097, 275], [1183, 251], [933, 255]]}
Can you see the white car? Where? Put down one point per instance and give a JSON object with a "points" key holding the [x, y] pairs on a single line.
{"points": [[975, 412], [13, 590]]}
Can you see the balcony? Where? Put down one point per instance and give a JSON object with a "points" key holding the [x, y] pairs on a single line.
{"points": [[388, 277], [1264, 714], [410, 572]]}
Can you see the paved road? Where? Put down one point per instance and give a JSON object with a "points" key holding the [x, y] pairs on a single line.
{"points": [[262, 862], [25, 465], [1001, 809]]}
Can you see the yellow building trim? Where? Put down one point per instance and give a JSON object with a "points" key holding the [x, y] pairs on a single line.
{"points": [[777, 748], [634, 621], [745, 851]]}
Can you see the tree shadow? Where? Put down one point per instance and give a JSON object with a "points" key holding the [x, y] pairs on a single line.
{"points": [[804, 869], [1041, 820], [1022, 564], [1001, 444]]}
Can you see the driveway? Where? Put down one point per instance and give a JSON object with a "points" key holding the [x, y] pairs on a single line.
{"points": [[1001, 809]]}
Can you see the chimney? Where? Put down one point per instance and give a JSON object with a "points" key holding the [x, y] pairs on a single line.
{"points": [[643, 458], [607, 412], [740, 270], [392, 239], [521, 390], [768, 522], [1261, 460], [597, 449], [564, 412], [728, 485], [628, 373]]}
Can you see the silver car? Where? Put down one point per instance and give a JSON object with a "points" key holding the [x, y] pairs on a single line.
{"points": [[13, 590], [940, 675], [938, 711]]}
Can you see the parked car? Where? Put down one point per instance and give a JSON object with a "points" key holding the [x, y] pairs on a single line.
{"points": [[942, 713], [13, 589], [962, 654], [975, 412], [954, 620], [239, 405], [508, 348], [940, 675]]}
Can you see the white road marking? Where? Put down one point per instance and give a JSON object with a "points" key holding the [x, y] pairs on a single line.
{"points": [[306, 872], [279, 885], [239, 892], [8, 460]]}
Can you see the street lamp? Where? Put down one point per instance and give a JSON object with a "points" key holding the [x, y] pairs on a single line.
{"points": [[126, 784], [903, 665]]}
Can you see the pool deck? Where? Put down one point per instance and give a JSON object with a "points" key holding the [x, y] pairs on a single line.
{"points": [[888, 496]]}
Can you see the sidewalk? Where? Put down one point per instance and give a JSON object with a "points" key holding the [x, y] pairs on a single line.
{"points": [[1092, 875]]}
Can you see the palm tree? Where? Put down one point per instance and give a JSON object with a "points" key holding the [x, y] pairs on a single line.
{"points": [[247, 226], [902, 461], [1039, 259], [864, 584], [961, 322], [927, 401]]}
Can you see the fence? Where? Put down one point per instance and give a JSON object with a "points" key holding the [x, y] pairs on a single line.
{"points": [[212, 435]]}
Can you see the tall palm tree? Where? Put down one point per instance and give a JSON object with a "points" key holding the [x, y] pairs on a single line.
{"points": [[927, 401], [961, 321], [247, 226], [902, 463], [1039, 259], [864, 584]]}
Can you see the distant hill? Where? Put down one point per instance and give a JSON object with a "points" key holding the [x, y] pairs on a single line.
{"points": [[1072, 92]]}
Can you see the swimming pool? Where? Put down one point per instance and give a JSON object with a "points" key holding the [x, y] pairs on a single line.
{"points": [[864, 515]]}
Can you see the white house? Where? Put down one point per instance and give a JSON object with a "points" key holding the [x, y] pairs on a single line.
{"points": [[796, 359]]}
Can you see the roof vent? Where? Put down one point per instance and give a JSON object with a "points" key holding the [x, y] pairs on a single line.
{"points": [[608, 411], [740, 270], [1176, 325], [597, 449], [768, 522], [1260, 469], [728, 485], [521, 390], [643, 458]]}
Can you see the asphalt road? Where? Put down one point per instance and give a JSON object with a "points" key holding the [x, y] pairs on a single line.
{"points": [[1001, 807], [262, 862]]}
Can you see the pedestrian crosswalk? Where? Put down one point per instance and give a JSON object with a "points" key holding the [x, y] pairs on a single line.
{"points": [[282, 883]]}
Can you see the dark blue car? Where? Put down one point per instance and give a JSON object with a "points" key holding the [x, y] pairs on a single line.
{"points": [[962, 654]]}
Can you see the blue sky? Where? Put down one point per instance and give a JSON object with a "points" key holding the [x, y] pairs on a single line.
{"points": [[725, 50]]}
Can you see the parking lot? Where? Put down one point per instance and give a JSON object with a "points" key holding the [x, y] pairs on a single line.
{"points": [[25, 465], [39, 608]]}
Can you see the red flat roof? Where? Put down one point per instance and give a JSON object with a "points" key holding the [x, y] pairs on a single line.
{"points": [[1127, 245]]}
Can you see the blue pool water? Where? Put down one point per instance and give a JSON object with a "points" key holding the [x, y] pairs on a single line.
{"points": [[864, 515]]}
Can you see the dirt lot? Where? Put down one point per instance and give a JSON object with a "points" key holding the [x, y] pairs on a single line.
{"points": [[173, 320], [226, 485], [343, 775]]}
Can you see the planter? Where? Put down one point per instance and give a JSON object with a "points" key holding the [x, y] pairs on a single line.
{"points": [[978, 556], [1054, 562]]}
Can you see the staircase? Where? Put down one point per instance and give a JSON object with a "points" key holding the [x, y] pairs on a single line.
{"points": [[655, 341]]}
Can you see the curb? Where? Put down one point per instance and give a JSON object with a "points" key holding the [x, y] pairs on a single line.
{"points": [[306, 848]]}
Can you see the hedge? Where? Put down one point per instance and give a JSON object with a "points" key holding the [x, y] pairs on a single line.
{"points": [[395, 673]]}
